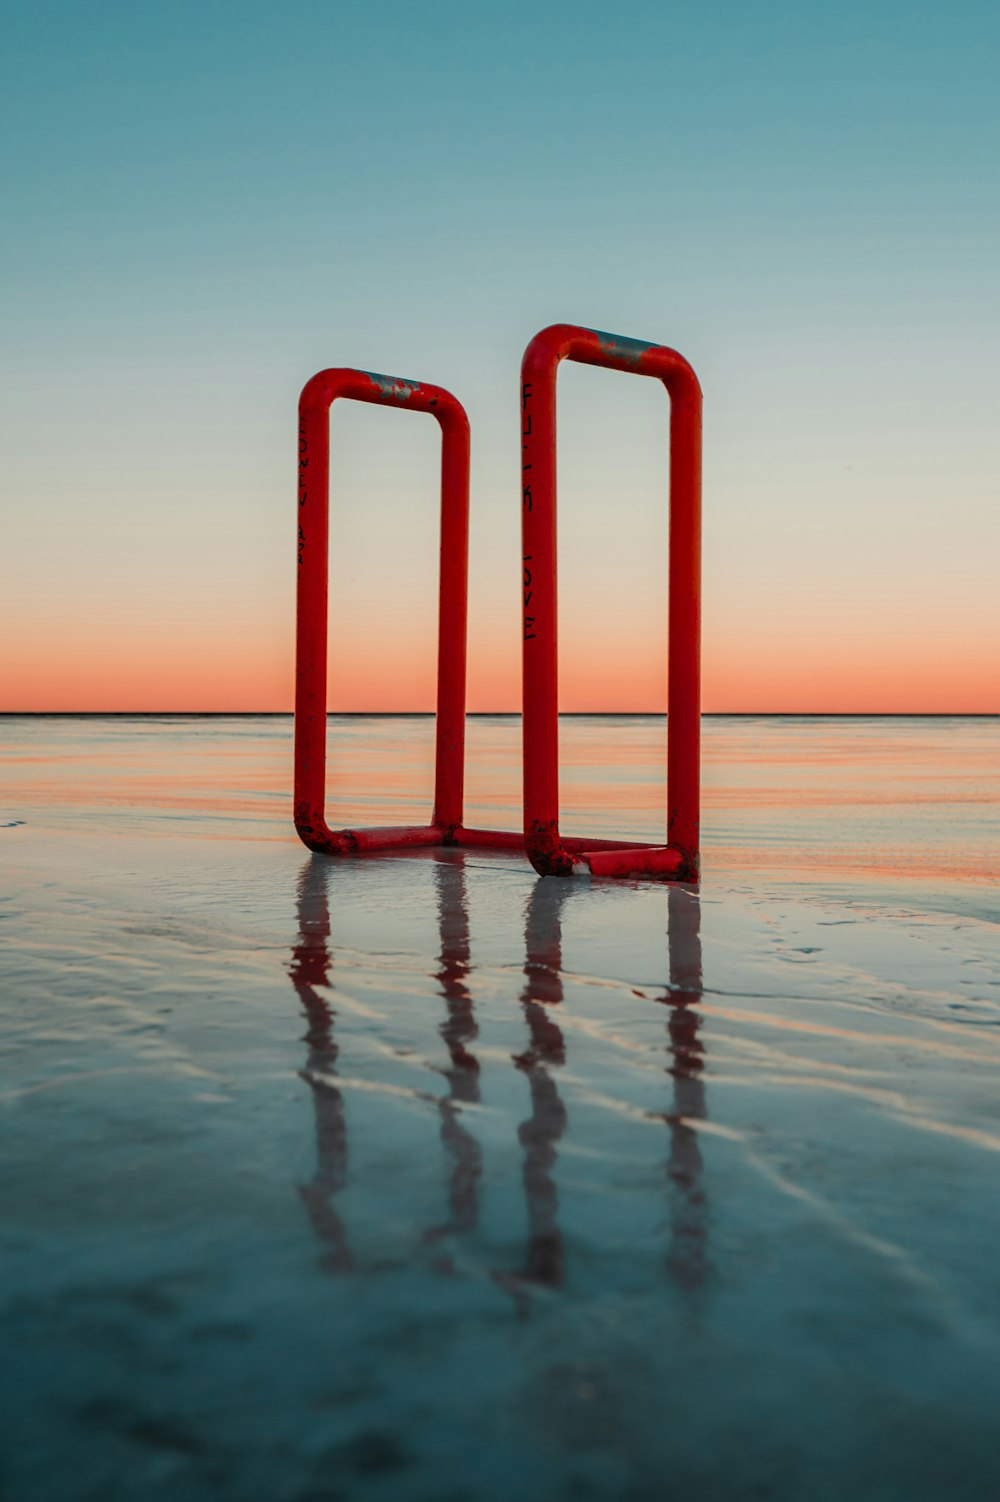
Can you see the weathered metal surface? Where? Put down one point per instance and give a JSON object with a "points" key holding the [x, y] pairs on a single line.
{"points": [[549, 853]]}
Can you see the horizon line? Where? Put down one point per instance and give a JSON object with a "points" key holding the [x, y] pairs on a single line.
{"points": [[564, 714]]}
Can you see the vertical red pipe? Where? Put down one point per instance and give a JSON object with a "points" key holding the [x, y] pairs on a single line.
{"points": [[539, 599], [453, 600], [311, 608], [684, 629]]}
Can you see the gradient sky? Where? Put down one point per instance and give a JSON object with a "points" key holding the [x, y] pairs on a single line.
{"points": [[205, 203]]}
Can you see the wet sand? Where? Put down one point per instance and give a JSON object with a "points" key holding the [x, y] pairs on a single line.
{"points": [[417, 1177]]}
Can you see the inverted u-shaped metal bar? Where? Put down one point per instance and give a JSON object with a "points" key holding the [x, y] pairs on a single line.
{"points": [[311, 625], [550, 854]]}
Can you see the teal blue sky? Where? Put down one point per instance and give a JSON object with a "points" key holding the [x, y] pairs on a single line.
{"points": [[206, 203]]}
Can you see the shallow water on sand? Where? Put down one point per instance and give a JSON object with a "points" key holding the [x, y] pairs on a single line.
{"points": [[419, 1178]]}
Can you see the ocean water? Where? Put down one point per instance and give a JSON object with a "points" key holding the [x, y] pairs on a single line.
{"points": [[415, 1177]]}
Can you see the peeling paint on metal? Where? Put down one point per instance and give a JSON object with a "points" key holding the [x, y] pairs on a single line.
{"points": [[393, 388], [629, 351]]}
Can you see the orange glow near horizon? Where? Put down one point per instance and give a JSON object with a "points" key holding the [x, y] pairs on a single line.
{"points": [[102, 671]]}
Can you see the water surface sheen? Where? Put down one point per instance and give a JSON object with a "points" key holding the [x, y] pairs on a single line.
{"points": [[419, 1178]]}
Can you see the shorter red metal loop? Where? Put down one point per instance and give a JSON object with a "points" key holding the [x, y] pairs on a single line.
{"points": [[549, 853], [311, 635], [445, 827]]}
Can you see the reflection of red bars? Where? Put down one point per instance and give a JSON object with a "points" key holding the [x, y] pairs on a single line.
{"points": [[446, 826], [550, 854]]}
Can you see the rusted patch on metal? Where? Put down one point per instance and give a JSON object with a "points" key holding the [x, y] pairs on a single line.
{"points": [[689, 869], [312, 837], [546, 851], [312, 831]]}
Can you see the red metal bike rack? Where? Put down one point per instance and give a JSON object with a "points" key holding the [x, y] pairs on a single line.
{"points": [[549, 852], [446, 826]]}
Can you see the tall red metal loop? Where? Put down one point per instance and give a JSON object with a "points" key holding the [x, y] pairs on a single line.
{"points": [[311, 634], [549, 852]]}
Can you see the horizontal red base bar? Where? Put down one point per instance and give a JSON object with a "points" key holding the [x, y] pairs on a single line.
{"points": [[599, 857], [406, 837], [630, 860], [509, 839]]}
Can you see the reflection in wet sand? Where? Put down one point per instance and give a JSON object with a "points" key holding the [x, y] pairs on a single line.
{"points": [[170, 1315], [540, 1061], [546, 1052], [458, 1030], [310, 975], [687, 1258]]}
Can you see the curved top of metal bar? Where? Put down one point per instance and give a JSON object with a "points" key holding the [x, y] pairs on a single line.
{"points": [[569, 341], [389, 391]]}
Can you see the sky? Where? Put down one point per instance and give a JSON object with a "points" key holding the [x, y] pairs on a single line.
{"points": [[206, 203]]}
